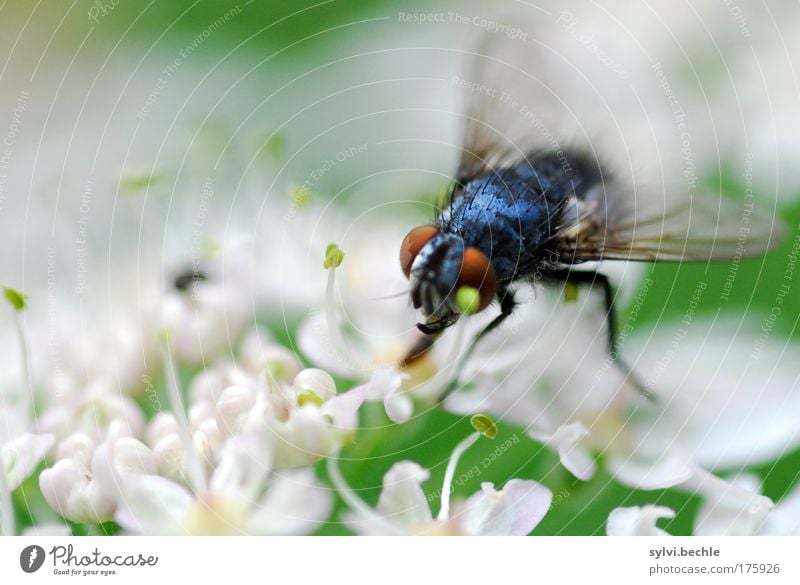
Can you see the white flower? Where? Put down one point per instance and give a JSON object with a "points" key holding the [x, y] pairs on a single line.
{"points": [[77, 486], [48, 529], [364, 331], [733, 509], [91, 410], [548, 370], [245, 496], [710, 412], [163, 437], [403, 508], [111, 354], [730, 508], [784, 520], [204, 307], [638, 521], [384, 327], [717, 400], [265, 392], [738, 512], [20, 457], [304, 421], [514, 510]]}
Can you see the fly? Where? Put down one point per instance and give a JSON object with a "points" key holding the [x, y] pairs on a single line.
{"points": [[532, 213]]}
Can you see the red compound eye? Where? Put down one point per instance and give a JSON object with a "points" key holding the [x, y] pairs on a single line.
{"points": [[413, 243]]}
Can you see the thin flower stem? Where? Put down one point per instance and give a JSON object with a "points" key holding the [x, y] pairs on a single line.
{"points": [[353, 501], [450, 472], [334, 331], [26, 398], [194, 466], [8, 523]]}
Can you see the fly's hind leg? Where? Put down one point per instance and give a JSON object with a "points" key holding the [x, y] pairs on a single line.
{"points": [[601, 280]]}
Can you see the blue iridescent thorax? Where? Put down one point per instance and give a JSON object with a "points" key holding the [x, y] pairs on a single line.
{"points": [[511, 215]]}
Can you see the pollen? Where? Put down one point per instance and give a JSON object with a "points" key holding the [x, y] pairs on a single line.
{"points": [[333, 257], [468, 300]]}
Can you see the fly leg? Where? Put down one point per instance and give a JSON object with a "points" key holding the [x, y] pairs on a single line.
{"points": [[601, 280], [507, 304], [419, 349]]}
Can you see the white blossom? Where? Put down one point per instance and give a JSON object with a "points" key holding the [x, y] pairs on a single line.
{"points": [[638, 521], [77, 486], [245, 496]]}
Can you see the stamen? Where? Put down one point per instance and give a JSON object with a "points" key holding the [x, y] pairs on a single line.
{"points": [[18, 302], [484, 426], [333, 259], [195, 470], [447, 486], [26, 398]]}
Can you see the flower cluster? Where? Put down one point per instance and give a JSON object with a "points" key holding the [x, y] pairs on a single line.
{"points": [[195, 424]]}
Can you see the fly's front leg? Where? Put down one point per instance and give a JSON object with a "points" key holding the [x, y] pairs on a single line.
{"points": [[601, 280], [419, 349]]}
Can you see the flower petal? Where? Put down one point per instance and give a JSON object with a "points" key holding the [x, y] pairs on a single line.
{"points": [[784, 520], [732, 508], [153, 505], [313, 340], [343, 408], [116, 461], [48, 529], [295, 503], [650, 473], [402, 500], [728, 405], [567, 441], [21, 456], [637, 521], [70, 491], [242, 470], [513, 511], [399, 407], [383, 382], [305, 438]]}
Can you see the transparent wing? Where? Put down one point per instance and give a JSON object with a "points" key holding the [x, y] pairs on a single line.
{"points": [[512, 106], [701, 227], [542, 94]]}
